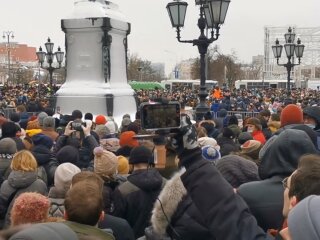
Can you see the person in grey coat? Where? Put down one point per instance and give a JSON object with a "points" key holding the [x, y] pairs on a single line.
{"points": [[23, 178], [8, 148]]}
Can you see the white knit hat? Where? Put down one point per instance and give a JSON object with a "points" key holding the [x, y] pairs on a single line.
{"points": [[205, 141], [64, 174]]}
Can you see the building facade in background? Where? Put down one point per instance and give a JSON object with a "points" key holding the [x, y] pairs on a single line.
{"points": [[20, 56]]}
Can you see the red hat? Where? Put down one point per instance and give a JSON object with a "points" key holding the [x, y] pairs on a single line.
{"points": [[101, 120], [291, 114], [126, 139]]}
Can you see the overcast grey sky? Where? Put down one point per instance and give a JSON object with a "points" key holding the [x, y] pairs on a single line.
{"points": [[152, 37]]}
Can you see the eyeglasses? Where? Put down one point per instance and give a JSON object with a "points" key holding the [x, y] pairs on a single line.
{"points": [[285, 183]]}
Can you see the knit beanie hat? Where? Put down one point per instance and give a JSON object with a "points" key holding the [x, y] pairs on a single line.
{"points": [[111, 125], [140, 154], [123, 165], [304, 219], [256, 122], [29, 207], [250, 146], [8, 146], [105, 163], [208, 141], [244, 136], [64, 174], [237, 170], [41, 117], [210, 153], [69, 154], [126, 139], [41, 139], [100, 119], [291, 114]]}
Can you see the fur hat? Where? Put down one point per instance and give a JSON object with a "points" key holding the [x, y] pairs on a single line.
{"points": [[250, 146], [123, 165], [126, 139], [291, 114], [101, 120], [8, 146], [41, 117], [237, 170], [64, 174], [140, 154], [69, 154], [244, 136], [205, 141], [49, 122], [41, 139], [29, 207], [210, 153], [256, 122], [105, 163]]}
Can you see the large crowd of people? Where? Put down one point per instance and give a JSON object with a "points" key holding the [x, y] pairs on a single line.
{"points": [[81, 176]]}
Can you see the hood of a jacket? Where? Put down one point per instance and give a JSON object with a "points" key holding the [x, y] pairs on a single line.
{"points": [[170, 197], [42, 154], [20, 179], [281, 156], [146, 179]]}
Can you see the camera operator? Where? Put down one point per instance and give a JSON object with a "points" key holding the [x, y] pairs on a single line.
{"points": [[82, 138]]}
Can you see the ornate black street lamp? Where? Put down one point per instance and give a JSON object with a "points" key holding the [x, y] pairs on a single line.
{"points": [[49, 57], [8, 34], [291, 48], [212, 15]]}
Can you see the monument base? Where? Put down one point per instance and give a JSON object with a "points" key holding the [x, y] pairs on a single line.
{"points": [[113, 102]]}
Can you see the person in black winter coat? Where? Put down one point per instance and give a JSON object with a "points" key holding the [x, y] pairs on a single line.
{"points": [[134, 199], [85, 145], [279, 158], [44, 156], [175, 214], [225, 213]]}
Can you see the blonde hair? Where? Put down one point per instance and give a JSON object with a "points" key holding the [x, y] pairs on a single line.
{"points": [[24, 161]]}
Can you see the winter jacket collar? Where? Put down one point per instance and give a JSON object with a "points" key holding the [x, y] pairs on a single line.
{"points": [[170, 197], [147, 179]]}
